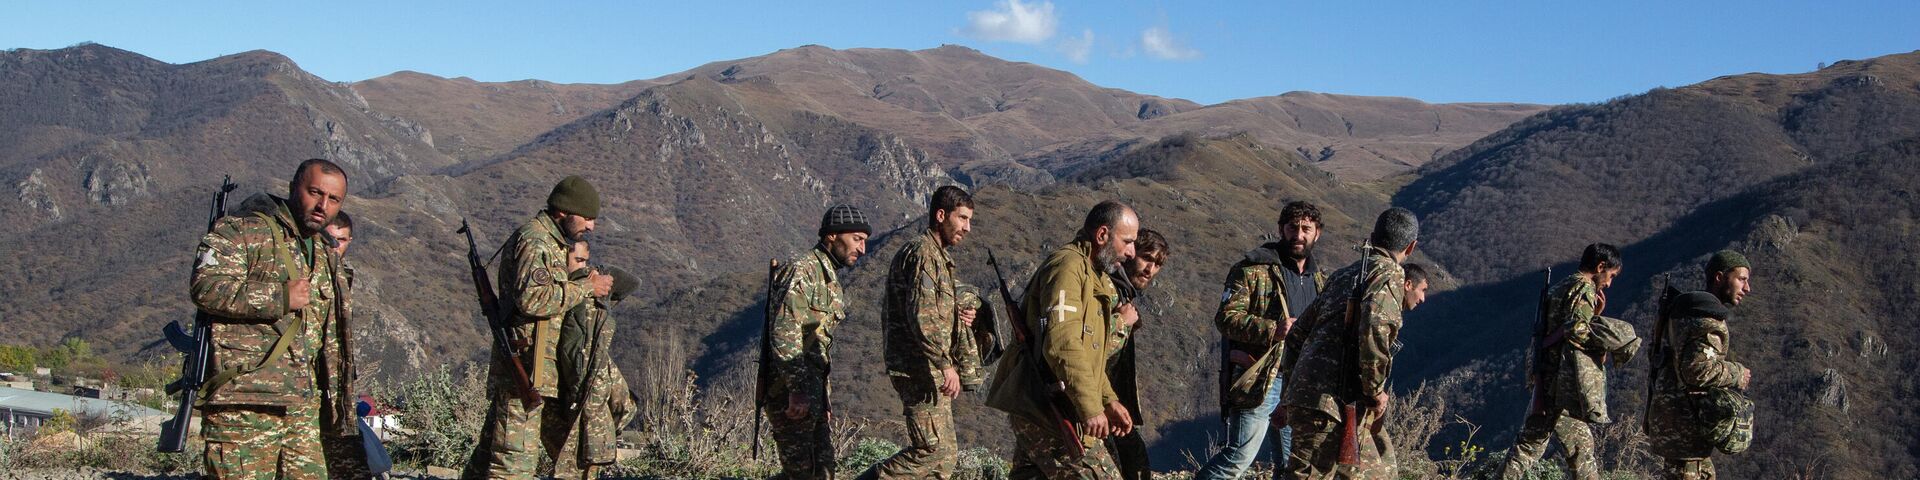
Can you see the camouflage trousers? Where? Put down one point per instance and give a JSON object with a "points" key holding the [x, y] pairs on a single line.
{"points": [[260, 442], [1041, 452], [1576, 440], [1686, 468], [512, 440], [932, 450], [805, 444], [1316, 450]]}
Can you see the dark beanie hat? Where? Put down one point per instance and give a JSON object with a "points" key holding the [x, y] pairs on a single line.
{"points": [[844, 218], [1726, 260], [574, 195]]}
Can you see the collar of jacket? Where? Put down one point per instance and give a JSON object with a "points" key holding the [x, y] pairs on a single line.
{"points": [[933, 239], [1269, 254], [1084, 248], [825, 260], [553, 231]]}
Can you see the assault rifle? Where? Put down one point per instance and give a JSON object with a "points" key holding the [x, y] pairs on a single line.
{"points": [[1657, 362], [197, 346], [1053, 394], [506, 339], [1349, 412], [1541, 341], [766, 352]]}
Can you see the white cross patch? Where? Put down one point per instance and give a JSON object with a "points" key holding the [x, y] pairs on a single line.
{"points": [[207, 260]]}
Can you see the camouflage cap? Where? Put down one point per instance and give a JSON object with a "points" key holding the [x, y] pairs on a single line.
{"points": [[1726, 260], [968, 296]]}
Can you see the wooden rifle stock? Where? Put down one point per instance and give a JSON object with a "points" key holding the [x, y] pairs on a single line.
{"points": [[1349, 411]]}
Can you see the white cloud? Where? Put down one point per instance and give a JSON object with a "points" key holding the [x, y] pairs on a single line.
{"points": [[1079, 48], [1159, 43], [1013, 21]]}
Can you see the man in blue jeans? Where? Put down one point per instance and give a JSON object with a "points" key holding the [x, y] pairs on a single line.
{"points": [[1264, 293]]}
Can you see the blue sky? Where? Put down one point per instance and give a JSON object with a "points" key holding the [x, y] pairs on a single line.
{"points": [[1441, 51]]}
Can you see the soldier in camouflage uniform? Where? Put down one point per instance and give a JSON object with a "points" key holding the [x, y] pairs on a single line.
{"points": [[807, 303], [923, 359], [592, 390], [1265, 293], [1072, 304], [536, 286], [269, 285], [339, 431], [1322, 349], [1699, 359], [1565, 333]]}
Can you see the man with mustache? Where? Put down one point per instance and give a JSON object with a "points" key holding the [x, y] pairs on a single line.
{"points": [[1072, 307], [923, 358], [806, 302], [1265, 293], [267, 281], [535, 286]]}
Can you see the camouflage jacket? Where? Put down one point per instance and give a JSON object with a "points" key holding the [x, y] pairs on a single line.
{"points": [[1253, 307], [807, 306], [1076, 303], [1699, 358], [1318, 363], [921, 308], [240, 280], [591, 384], [535, 283], [1578, 344]]}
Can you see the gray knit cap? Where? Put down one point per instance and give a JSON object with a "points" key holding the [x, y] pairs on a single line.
{"points": [[844, 218]]}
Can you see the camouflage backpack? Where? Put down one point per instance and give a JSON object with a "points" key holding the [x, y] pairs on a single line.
{"points": [[1725, 417]]}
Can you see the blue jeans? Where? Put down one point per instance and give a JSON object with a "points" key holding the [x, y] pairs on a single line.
{"points": [[1246, 428]]}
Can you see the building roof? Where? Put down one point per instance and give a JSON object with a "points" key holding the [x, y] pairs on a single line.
{"points": [[45, 402]]}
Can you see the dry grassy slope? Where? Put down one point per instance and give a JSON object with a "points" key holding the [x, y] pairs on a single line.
{"points": [[473, 120]]}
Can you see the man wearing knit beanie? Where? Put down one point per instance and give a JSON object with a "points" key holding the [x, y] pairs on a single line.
{"points": [[534, 281], [1701, 361], [804, 303]]}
